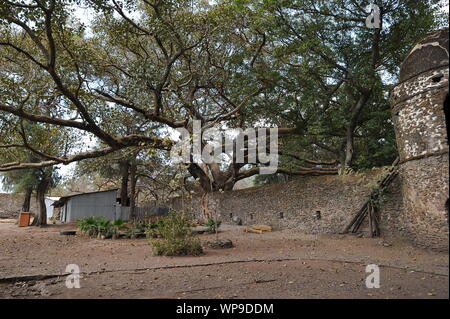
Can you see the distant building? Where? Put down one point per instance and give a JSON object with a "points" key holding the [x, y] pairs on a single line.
{"points": [[102, 203]]}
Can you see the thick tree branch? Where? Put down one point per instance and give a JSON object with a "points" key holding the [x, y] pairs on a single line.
{"points": [[302, 171], [39, 118]]}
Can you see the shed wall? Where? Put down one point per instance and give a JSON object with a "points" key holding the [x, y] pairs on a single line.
{"points": [[94, 204]]}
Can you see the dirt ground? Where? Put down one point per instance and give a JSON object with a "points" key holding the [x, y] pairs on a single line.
{"points": [[279, 264]]}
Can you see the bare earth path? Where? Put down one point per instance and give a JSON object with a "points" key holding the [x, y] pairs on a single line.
{"points": [[280, 264]]}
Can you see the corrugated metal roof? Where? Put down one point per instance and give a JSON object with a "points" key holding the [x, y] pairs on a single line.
{"points": [[63, 200]]}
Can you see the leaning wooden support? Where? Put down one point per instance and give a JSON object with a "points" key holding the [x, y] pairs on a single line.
{"points": [[355, 218], [370, 213], [369, 208], [360, 220], [376, 222]]}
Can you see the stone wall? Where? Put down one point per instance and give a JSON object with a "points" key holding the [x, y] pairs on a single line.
{"points": [[11, 204], [421, 133], [314, 204], [424, 168], [418, 114], [424, 185], [296, 204]]}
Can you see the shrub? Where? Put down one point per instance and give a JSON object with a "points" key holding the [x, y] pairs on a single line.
{"points": [[88, 226], [175, 225], [132, 233], [159, 224], [177, 240], [100, 226], [213, 225], [139, 228], [116, 226], [104, 227], [178, 247], [141, 225]]}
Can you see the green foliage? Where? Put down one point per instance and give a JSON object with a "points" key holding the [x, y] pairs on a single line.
{"points": [[178, 247], [378, 195], [177, 239], [117, 226], [213, 225], [317, 44], [88, 226], [146, 65], [175, 225], [104, 227], [142, 225], [160, 224], [20, 181], [101, 226]]}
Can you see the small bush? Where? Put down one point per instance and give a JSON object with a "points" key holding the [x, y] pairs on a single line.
{"points": [[117, 226], [213, 225], [175, 225], [177, 240], [88, 226], [104, 227], [100, 226], [139, 228], [141, 225], [178, 247]]}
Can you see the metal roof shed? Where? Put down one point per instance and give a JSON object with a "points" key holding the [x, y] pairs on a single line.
{"points": [[102, 203]]}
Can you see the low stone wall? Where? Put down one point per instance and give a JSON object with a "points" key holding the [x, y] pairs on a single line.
{"points": [[11, 204], [325, 205], [314, 204]]}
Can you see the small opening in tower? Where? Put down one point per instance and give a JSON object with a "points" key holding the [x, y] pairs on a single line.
{"points": [[231, 215], [281, 215], [251, 216], [437, 78], [318, 215]]}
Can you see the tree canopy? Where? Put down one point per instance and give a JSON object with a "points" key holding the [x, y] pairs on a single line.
{"points": [[143, 68]]}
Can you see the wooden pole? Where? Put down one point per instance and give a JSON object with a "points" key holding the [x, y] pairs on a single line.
{"points": [[355, 218], [361, 219], [369, 208]]}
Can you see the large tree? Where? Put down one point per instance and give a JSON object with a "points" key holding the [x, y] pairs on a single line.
{"points": [[332, 74], [311, 68], [30, 140]]}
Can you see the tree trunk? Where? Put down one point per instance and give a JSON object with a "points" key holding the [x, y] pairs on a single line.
{"points": [[27, 200], [349, 147], [196, 171], [349, 142], [124, 169], [41, 217], [133, 181]]}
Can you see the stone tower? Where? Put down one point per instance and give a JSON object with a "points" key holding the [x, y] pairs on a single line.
{"points": [[420, 110]]}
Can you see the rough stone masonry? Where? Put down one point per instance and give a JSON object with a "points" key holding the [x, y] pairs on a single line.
{"points": [[419, 110]]}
